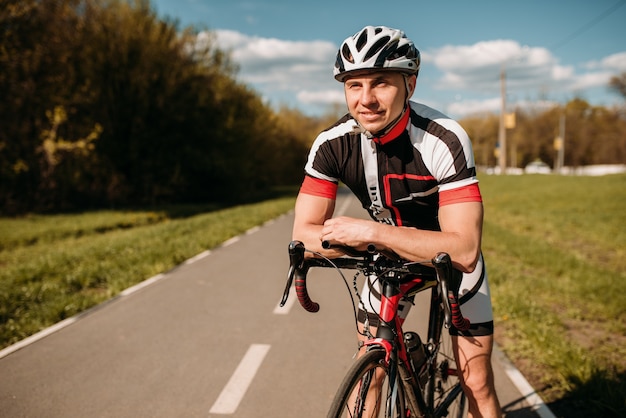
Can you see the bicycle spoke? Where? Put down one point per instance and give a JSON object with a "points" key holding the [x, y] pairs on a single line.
{"points": [[367, 391], [449, 399]]}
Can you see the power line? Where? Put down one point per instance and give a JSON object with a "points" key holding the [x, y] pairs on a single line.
{"points": [[590, 24]]}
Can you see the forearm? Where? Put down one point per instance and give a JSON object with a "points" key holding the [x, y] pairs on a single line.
{"points": [[421, 245], [310, 215], [460, 235]]}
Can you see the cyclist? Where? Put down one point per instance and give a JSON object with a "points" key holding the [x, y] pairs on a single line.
{"points": [[412, 169]]}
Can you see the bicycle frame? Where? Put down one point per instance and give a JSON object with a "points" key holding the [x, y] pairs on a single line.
{"points": [[389, 334], [399, 279]]}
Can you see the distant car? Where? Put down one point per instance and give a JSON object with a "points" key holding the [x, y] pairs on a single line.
{"points": [[537, 167]]}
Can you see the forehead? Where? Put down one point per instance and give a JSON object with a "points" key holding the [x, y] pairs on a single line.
{"points": [[374, 75]]}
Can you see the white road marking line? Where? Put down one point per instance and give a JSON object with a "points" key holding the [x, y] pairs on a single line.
{"points": [[230, 241], [253, 230], [197, 257], [236, 388], [141, 285], [38, 336], [69, 321], [278, 310], [522, 385]]}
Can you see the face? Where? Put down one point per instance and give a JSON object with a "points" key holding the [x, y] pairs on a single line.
{"points": [[377, 99]]}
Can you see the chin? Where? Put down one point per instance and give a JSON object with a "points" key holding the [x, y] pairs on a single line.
{"points": [[373, 127]]}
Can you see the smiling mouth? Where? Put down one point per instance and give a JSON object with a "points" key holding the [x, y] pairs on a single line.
{"points": [[371, 115]]}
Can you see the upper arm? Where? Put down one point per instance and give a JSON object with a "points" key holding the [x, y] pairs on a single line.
{"points": [[465, 220], [310, 213]]}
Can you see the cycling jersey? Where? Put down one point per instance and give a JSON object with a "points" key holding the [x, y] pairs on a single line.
{"points": [[402, 178], [424, 162]]}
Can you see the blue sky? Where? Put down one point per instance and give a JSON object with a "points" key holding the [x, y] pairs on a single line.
{"points": [[552, 50]]}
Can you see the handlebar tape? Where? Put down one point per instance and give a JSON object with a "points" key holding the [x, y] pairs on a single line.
{"points": [[458, 320], [303, 294], [445, 271]]}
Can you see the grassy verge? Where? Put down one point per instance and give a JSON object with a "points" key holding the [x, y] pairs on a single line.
{"points": [[556, 252], [52, 267]]}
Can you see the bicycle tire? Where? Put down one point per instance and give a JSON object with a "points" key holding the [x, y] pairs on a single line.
{"points": [[444, 391], [358, 379]]}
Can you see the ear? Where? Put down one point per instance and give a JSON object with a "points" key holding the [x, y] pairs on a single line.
{"points": [[410, 82]]}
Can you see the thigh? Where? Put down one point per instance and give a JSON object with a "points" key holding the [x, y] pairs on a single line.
{"points": [[474, 295]]}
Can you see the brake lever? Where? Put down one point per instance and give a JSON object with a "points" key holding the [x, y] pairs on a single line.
{"points": [[442, 264], [296, 261]]}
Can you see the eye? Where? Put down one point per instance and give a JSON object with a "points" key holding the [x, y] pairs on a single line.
{"points": [[380, 82]]}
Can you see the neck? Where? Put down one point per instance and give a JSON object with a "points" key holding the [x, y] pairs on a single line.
{"points": [[392, 131]]}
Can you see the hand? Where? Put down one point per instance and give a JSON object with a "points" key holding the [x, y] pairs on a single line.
{"points": [[355, 233]]}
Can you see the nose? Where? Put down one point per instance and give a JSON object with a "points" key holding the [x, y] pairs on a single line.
{"points": [[367, 96]]}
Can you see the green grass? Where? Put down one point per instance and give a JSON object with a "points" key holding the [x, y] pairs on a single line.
{"points": [[556, 253], [555, 249], [52, 267]]}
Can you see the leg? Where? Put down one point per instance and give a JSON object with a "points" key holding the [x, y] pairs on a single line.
{"points": [[474, 360], [473, 349]]}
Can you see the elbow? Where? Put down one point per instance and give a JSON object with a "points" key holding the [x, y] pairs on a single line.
{"points": [[467, 262]]}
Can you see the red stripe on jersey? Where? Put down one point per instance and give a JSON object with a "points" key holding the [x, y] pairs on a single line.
{"points": [[464, 194], [318, 187], [388, 198]]}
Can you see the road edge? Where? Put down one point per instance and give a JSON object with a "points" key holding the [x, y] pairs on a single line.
{"points": [[529, 394]]}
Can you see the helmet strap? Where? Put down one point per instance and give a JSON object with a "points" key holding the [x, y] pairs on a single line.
{"points": [[391, 131]]}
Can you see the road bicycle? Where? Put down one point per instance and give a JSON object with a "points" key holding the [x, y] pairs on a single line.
{"points": [[398, 375]]}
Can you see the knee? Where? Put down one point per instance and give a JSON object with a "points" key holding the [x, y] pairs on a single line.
{"points": [[479, 384]]}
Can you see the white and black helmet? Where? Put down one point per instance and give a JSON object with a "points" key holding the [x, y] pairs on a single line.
{"points": [[377, 48]]}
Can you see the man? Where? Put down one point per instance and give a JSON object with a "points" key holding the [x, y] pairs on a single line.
{"points": [[412, 168]]}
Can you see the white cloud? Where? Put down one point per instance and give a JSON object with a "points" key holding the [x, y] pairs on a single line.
{"points": [[282, 66], [467, 58], [592, 80], [615, 62], [321, 97], [477, 67], [470, 107], [530, 72], [299, 73]]}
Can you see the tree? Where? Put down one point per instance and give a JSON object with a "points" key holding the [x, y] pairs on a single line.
{"points": [[34, 79], [618, 83]]}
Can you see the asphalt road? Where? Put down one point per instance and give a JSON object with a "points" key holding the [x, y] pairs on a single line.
{"points": [[204, 340]]}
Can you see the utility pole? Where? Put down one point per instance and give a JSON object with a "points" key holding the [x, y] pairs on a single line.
{"points": [[559, 145], [502, 128]]}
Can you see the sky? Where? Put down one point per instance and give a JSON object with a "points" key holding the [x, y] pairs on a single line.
{"points": [[550, 51]]}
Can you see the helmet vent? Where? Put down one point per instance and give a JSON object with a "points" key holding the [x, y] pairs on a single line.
{"points": [[360, 43], [347, 54], [402, 51], [377, 47]]}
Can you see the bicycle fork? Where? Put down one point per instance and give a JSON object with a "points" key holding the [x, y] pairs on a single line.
{"points": [[400, 369]]}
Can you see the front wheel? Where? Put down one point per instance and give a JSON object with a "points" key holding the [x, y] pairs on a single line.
{"points": [[369, 390], [444, 392]]}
